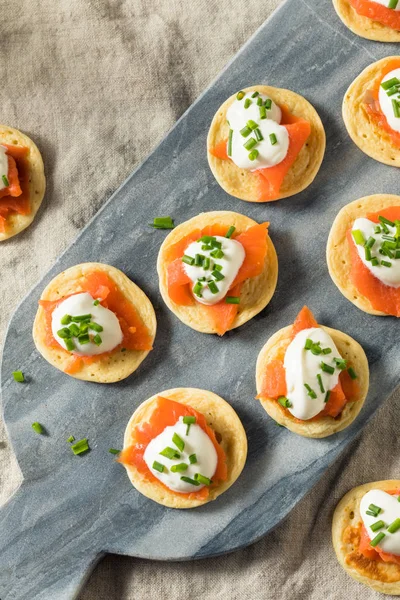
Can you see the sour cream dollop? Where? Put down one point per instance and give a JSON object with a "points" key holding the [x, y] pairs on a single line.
{"points": [[3, 166], [272, 149], [388, 275], [197, 442], [385, 101], [390, 511], [83, 304], [221, 271], [302, 368]]}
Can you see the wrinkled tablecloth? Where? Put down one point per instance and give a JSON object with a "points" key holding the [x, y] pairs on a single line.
{"points": [[97, 84]]}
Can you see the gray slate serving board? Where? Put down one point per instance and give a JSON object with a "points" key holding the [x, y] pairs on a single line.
{"points": [[71, 510]]}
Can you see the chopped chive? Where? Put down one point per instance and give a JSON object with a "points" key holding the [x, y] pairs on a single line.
{"points": [[327, 396], [193, 459], [178, 441], [377, 229], [114, 451], [188, 480], [285, 402], [393, 527], [215, 243], [252, 124], [202, 479], [207, 239], [327, 351], [206, 263], [189, 260], [71, 439], [170, 453], [375, 261], [163, 223], [352, 373], [370, 513], [245, 131], [308, 345], [84, 339], [217, 267], [189, 421], [255, 94], [385, 221], [95, 327], [327, 368], [377, 525], [398, 498], [69, 344], [367, 251], [321, 385], [316, 349], [218, 275], [273, 139], [341, 363], [96, 302], [197, 290], [18, 376], [393, 3], [179, 468], [232, 300], [259, 101], [358, 237], [230, 231], [386, 263], [375, 509], [80, 447], [250, 143], [212, 286], [391, 238], [393, 90], [37, 427], [253, 154], [80, 318], [64, 333], [310, 391], [83, 328], [97, 340], [230, 142], [217, 253], [390, 82], [259, 135], [5, 180], [397, 254], [268, 103], [198, 260], [247, 103], [377, 539], [396, 108], [158, 467], [263, 112], [74, 329], [240, 95], [66, 320]]}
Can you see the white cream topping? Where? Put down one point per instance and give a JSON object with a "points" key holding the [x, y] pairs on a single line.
{"points": [[389, 513], [3, 166], [302, 368], [387, 4], [388, 275], [385, 101], [83, 304], [196, 442], [230, 263], [268, 154]]}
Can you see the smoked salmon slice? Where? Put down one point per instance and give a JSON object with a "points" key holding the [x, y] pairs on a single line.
{"points": [[15, 197], [254, 242], [274, 378], [377, 12], [371, 100], [382, 297], [166, 414], [100, 286]]}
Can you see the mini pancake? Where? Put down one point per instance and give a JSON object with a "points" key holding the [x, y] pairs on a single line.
{"points": [[256, 292], [370, 137], [115, 365], [381, 576], [37, 182], [222, 419], [325, 425], [364, 26], [338, 253], [244, 184]]}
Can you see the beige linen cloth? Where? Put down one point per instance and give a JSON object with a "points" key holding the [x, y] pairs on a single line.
{"points": [[97, 84]]}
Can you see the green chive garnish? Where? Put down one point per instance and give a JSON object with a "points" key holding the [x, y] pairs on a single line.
{"points": [[66, 320], [268, 103], [247, 103], [71, 439], [189, 421], [179, 468], [158, 467], [245, 131], [95, 327], [393, 527], [341, 363], [367, 251], [114, 451], [327, 351], [218, 275], [170, 453], [217, 253], [84, 339], [212, 286], [253, 154], [250, 143], [189, 260], [232, 300], [188, 480], [95, 303], [217, 267], [321, 385], [201, 479], [259, 135], [197, 290], [263, 112], [310, 391], [327, 396], [38, 427], [255, 94], [80, 318], [193, 459], [80, 447], [352, 373], [396, 108], [390, 82], [385, 221], [375, 261], [163, 223], [74, 329], [97, 340], [69, 344], [5, 180], [230, 142], [308, 345], [316, 349], [374, 509], [377, 229], [273, 139], [230, 231], [285, 402], [386, 263], [393, 3], [18, 376], [240, 95], [327, 368], [259, 101], [377, 539], [358, 237], [178, 441], [377, 525], [64, 333], [206, 263]]}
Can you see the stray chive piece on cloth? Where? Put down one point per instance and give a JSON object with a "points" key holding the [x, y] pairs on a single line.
{"points": [[162, 223], [38, 428], [114, 451], [80, 447], [71, 439], [18, 376]]}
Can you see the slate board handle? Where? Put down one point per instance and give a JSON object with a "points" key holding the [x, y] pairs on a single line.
{"points": [[66, 562]]}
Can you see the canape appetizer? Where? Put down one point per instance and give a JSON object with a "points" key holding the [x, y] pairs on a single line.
{"points": [[184, 447], [363, 253], [372, 19], [312, 379], [265, 143], [22, 181], [94, 323], [366, 535], [217, 270], [371, 111]]}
